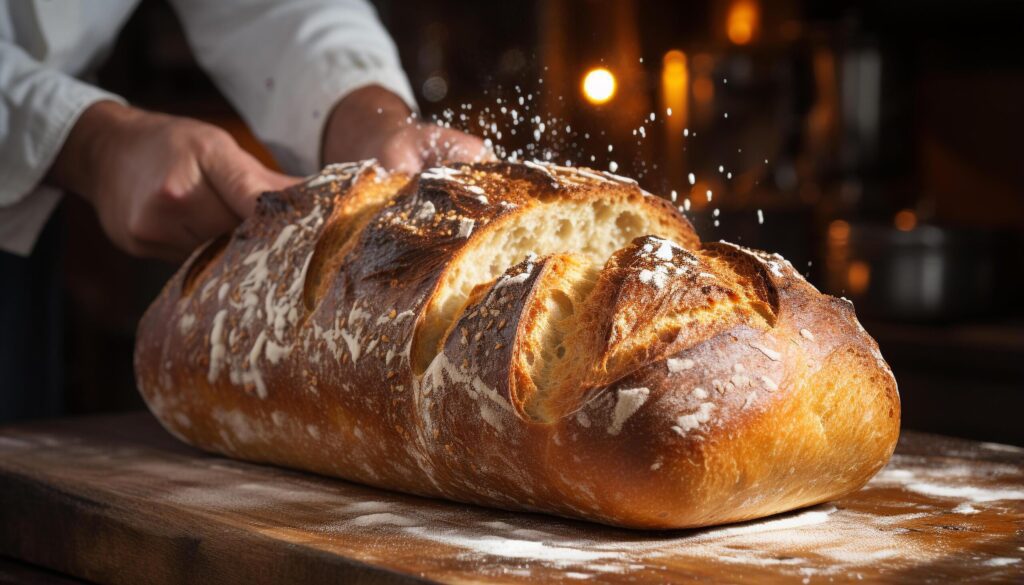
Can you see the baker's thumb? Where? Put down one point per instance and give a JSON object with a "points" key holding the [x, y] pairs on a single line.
{"points": [[239, 179]]}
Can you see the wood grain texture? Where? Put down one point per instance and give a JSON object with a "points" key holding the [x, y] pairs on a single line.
{"points": [[17, 573], [117, 500]]}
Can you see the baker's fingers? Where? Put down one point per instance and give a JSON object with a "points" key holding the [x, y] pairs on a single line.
{"points": [[207, 215], [440, 145], [402, 151], [174, 245], [466, 148], [238, 178]]}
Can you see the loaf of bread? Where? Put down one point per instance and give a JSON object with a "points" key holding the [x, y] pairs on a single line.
{"points": [[524, 336]]}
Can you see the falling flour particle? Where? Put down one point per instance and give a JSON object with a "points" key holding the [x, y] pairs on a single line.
{"points": [[690, 177], [629, 401], [613, 166]]}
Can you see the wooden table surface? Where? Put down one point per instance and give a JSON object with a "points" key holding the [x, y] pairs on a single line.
{"points": [[117, 500]]}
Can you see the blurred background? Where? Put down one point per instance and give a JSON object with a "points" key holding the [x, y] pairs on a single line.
{"points": [[876, 146]]}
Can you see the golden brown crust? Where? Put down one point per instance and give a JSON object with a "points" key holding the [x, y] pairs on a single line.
{"points": [[665, 384]]}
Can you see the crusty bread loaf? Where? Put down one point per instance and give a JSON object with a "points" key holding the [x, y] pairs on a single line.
{"points": [[524, 336]]}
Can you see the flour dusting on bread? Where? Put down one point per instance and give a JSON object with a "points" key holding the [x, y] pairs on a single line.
{"points": [[527, 336]]}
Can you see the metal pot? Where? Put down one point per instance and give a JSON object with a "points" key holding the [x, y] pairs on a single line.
{"points": [[924, 273]]}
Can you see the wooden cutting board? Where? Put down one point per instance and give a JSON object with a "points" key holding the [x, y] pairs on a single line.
{"points": [[117, 500]]}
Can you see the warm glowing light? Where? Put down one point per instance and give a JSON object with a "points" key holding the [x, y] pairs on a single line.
{"points": [[699, 194], [905, 220], [858, 275], [838, 231], [599, 86], [742, 21], [703, 90], [674, 81]]}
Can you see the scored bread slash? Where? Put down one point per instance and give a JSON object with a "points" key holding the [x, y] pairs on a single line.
{"points": [[526, 336]]}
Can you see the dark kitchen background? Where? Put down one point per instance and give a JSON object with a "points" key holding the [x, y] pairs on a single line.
{"points": [[876, 146]]}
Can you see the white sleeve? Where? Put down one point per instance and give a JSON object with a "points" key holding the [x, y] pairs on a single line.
{"points": [[38, 108], [285, 64]]}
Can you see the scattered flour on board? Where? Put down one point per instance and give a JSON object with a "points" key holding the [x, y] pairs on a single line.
{"points": [[500, 546], [972, 493], [965, 508], [1001, 561], [383, 518], [821, 542]]}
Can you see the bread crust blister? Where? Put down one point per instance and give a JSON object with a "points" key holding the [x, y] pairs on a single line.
{"points": [[525, 336]]}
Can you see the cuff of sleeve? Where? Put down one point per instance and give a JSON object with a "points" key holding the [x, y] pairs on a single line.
{"points": [[62, 112], [301, 132], [22, 218]]}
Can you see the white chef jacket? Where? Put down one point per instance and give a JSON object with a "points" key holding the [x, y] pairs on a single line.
{"points": [[282, 63]]}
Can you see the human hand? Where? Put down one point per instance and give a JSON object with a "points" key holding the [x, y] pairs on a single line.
{"points": [[161, 185], [372, 122]]}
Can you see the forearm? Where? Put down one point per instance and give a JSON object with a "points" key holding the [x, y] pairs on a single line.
{"points": [[79, 158]]}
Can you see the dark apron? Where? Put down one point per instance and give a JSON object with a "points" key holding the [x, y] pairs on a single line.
{"points": [[31, 328]]}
